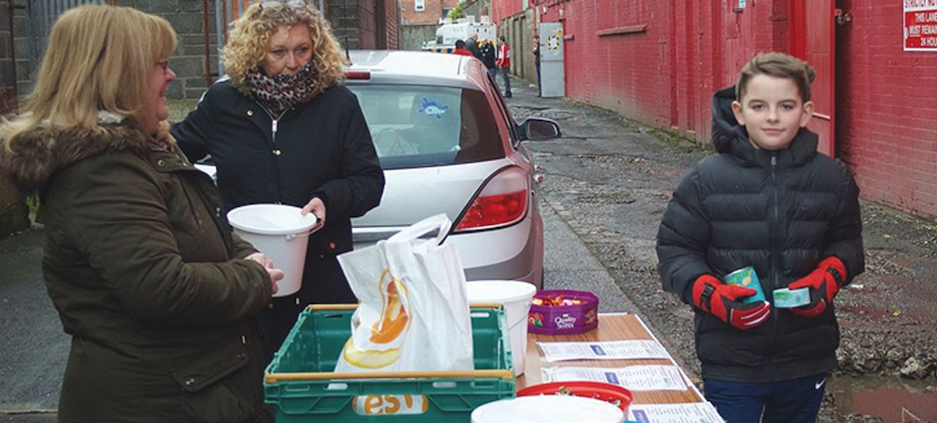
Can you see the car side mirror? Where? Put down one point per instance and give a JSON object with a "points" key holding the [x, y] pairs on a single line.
{"points": [[539, 129]]}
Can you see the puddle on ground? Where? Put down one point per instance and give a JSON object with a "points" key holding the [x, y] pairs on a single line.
{"points": [[893, 399]]}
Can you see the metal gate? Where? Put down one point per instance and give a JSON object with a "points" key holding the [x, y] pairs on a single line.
{"points": [[552, 70], [40, 15]]}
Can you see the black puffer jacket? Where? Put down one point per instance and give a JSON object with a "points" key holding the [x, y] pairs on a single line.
{"points": [[780, 211]]}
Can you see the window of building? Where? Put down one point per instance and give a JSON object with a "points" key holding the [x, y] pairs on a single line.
{"points": [[419, 5]]}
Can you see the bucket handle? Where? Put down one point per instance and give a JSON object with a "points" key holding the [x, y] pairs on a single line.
{"points": [[315, 227]]}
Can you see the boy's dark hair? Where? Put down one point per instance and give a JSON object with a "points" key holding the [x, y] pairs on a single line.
{"points": [[459, 44], [778, 65]]}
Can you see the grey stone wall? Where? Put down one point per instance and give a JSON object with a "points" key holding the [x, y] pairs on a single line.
{"points": [[14, 214], [413, 36], [189, 61], [7, 75]]}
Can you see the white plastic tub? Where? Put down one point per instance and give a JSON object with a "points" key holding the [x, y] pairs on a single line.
{"points": [[281, 233], [516, 297], [548, 409]]}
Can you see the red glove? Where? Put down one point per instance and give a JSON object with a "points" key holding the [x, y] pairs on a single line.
{"points": [[719, 299], [824, 283]]}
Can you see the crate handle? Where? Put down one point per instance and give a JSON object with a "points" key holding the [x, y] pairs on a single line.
{"points": [[342, 307], [454, 374]]}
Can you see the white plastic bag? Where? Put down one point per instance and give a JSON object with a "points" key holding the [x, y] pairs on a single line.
{"points": [[413, 313]]}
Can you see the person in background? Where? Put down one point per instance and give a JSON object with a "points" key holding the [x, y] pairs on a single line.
{"points": [[281, 128], [472, 46], [768, 200], [536, 52], [488, 57], [159, 296], [460, 49], [504, 64]]}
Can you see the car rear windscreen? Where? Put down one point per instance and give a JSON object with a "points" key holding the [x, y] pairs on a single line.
{"points": [[419, 126]]}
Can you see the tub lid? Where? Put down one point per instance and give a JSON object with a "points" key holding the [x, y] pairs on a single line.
{"points": [[271, 219], [499, 291], [548, 409]]}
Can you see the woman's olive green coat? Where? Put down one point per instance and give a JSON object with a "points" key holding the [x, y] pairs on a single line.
{"points": [[147, 277]]}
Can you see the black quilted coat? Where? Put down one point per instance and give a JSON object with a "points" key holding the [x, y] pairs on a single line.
{"points": [[780, 211]]}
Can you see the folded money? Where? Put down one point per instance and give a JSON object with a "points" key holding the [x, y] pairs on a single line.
{"points": [[786, 298]]}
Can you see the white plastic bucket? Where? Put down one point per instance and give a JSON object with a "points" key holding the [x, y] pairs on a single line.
{"points": [[516, 297], [281, 233], [548, 409]]}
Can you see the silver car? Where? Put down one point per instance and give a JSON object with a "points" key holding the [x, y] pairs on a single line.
{"points": [[448, 144]]}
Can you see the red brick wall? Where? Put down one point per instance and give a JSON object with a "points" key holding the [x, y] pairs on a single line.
{"points": [[885, 108], [392, 24], [660, 61], [430, 14], [503, 9], [367, 25]]}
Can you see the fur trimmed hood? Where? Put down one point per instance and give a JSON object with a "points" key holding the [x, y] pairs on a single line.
{"points": [[39, 153]]}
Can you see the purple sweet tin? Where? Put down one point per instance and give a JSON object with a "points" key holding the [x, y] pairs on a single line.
{"points": [[551, 319]]}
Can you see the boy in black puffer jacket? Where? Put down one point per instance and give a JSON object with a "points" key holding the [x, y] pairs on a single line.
{"points": [[770, 201]]}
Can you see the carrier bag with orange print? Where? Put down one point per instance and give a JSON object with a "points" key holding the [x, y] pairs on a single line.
{"points": [[413, 313]]}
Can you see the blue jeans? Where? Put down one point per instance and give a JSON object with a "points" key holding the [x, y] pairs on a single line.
{"points": [[792, 401], [539, 90], [507, 81]]}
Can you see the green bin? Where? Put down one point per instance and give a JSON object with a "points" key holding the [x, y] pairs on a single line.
{"points": [[301, 384]]}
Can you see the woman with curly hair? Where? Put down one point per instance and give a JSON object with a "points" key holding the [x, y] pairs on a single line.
{"points": [[281, 128]]}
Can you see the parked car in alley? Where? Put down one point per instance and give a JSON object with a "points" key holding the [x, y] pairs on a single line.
{"points": [[448, 144]]}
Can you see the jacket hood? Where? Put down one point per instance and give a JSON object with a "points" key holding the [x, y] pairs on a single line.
{"points": [[725, 127], [37, 154]]}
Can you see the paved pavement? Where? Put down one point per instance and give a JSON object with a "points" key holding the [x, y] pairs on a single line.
{"points": [[33, 358]]}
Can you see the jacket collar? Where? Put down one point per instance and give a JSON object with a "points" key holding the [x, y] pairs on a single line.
{"points": [[40, 152]]}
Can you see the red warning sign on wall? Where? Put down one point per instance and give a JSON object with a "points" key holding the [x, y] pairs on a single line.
{"points": [[920, 25]]}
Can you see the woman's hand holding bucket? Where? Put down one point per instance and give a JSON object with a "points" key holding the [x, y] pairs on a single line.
{"points": [[317, 207], [275, 274]]}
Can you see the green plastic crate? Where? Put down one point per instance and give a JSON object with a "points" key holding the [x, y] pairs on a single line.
{"points": [[301, 383]]}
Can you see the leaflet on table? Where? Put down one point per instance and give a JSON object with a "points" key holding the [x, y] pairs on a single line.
{"points": [[635, 378], [613, 350], [697, 412]]}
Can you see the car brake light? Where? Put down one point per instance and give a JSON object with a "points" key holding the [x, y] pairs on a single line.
{"points": [[503, 201], [358, 75]]}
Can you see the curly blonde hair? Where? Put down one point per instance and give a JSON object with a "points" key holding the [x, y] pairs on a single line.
{"points": [[249, 35]]}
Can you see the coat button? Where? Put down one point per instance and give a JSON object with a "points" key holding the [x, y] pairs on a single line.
{"points": [[190, 381], [276, 152], [332, 245], [160, 163], [250, 113]]}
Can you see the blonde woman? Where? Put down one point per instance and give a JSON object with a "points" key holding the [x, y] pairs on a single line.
{"points": [[281, 128], [158, 294]]}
